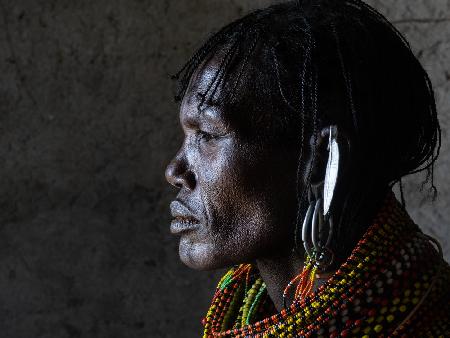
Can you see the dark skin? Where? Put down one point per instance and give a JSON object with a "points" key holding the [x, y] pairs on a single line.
{"points": [[237, 199]]}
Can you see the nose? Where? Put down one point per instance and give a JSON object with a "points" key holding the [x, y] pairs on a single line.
{"points": [[178, 173]]}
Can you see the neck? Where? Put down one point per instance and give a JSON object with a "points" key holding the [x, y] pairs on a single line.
{"points": [[278, 271]]}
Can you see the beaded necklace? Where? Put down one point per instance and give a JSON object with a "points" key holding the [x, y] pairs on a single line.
{"points": [[393, 284]]}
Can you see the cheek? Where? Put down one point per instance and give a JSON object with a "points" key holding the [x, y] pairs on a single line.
{"points": [[228, 183], [242, 195]]}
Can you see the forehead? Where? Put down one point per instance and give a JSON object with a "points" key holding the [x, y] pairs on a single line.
{"points": [[235, 105], [202, 82]]}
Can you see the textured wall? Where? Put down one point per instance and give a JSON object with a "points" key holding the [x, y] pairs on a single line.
{"points": [[87, 125]]}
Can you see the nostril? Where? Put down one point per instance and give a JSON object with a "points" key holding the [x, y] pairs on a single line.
{"points": [[189, 180], [185, 179]]}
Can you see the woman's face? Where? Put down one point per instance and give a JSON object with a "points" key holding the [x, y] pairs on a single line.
{"points": [[237, 191]]}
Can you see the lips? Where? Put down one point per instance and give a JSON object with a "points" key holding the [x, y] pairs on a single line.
{"points": [[183, 219]]}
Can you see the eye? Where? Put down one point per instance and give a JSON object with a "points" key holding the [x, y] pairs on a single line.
{"points": [[204, 136]]}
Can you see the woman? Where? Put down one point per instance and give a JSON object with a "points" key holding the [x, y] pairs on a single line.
{"points": [[298, 120]]}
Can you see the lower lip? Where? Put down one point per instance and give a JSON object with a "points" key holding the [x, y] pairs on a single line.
{"points": [[178, 226]]}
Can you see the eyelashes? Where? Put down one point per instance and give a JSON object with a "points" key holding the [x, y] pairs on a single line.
{"points": [[206, 137]]}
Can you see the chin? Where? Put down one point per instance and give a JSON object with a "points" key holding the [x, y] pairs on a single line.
{"points": [[200, 256]]}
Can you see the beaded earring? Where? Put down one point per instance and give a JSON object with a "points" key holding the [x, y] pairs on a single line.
{"points": [[316, 224]]}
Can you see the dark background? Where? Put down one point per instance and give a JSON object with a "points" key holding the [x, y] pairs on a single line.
{"points": [[87, 126]]}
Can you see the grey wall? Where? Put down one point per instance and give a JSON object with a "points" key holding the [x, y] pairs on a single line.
{"points": [[87, 125]]}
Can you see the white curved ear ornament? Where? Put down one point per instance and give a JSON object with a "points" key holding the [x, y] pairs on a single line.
{"points": [[332, 170]]}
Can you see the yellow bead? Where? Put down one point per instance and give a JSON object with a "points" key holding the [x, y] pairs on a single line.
{"points": [[390, 318], [402, 308], [378, 328]]}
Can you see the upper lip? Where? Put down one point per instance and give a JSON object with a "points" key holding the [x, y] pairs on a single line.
{"points": [[179, 210]]}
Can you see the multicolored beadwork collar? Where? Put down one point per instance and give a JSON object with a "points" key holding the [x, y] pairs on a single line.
{"points": [[393, 284]]}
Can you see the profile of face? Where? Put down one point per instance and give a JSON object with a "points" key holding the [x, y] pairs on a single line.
{"points": [[237, 196]]}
